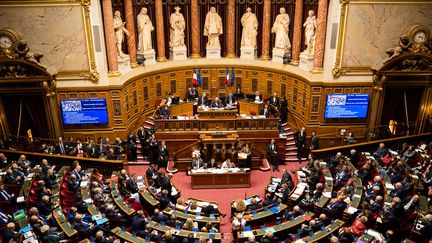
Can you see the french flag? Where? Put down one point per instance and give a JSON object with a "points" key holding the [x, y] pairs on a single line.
{"points": [[194, 78], [227, 77]]}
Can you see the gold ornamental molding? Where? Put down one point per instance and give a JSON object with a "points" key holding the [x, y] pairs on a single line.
{"points": [[90, 74], [338, 68]]}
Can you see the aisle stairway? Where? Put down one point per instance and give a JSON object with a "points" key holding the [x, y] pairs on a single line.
{"points": [[290, 147]]}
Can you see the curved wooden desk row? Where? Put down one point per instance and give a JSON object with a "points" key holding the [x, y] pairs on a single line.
{"points": [[328, 188], [326, 232], [103, 166], [184, 233], [126, 236], [279, 229], [202, 220]]}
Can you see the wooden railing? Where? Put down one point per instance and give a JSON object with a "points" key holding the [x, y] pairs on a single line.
{"points": [[187, 149], [104, 166], [390, 143]]}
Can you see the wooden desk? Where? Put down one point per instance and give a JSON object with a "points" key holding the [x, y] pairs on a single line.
{"points": [[217, 114], [201, 220], [126, 236], [330, 229], [181, 109], [280, 228], [126, 209], [246, 107], [64, 224], [265, 215], [184, 233], [225, 180]]}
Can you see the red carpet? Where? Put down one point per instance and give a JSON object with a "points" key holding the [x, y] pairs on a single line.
{"points": [[259, 181]]}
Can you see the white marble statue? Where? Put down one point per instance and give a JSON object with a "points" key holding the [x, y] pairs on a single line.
{"points": [[310, 26], [249, 22], [177, 24], [281, 29], [120, 31], [145, 27], [213, 27]]}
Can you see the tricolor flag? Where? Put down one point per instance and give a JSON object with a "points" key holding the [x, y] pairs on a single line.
{"points": [[227, 77], [194, 78], [199, 77], [232, 77]]}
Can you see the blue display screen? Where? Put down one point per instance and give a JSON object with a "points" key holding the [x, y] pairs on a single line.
{"points": [[84, 111], [346, 106]]}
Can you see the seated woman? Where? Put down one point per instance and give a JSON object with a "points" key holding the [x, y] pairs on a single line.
{"points": [[190, 224], [209, 228], [254, 205], [239, 205], [193, 207], [180, 205], [227, 164]]}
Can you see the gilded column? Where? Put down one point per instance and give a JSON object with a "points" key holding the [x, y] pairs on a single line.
{"points": [[320, 36], [265, 53], [297, 32], [160, 31], [195, 32], [110, 41], [130, 25], [231, 29]]}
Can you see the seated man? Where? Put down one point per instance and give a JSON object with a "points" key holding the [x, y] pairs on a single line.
{"points": [[380, 152], [254, 205], [258, 97], [212, 164], [198, 163], [6, 197], [85, 227], [74, 185], [265, 111], [216, 103], [203, 100], [227, 164], [230, 99]]}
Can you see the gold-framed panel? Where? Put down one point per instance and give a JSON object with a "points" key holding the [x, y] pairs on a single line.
{"points": [[91, 73], [339, 69]]}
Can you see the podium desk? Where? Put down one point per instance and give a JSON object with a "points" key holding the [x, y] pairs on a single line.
{"points": [[217, 114], [246, 107], [211, 180], [181, 109]]}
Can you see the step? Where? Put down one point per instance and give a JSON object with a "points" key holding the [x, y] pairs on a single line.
{"points": [[291, 154], [150, 122], [287, 129], [147, 127], [151, 118], [290, 138], [285, 124], [129, 163], [288, 133], [290, 143], [291, 148]]}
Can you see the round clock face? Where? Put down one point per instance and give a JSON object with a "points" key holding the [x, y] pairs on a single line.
{"points": [[420, 37], [5, 42]]}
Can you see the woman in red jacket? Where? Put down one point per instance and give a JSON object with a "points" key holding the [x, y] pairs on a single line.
{"points": [[359, 226]]}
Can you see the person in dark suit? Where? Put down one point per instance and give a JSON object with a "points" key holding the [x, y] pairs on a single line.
{"points": [[213, 164], [100, 238], [284, 110], [9, 232], [230, 99], [254, 205], [274, 100], [47, 237], [46, 206], [269, 200], [336, 209], [300, 140], [189, 94], [354, 157], [272, 154], [216, 103], [151, 172], [143, 137], [74, 185], [6, 197], [163, 155], [203, 100], [314, 141], [265, 111], [138, 222], [78, 173]]}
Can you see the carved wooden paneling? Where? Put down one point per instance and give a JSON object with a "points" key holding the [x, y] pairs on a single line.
{"points": [[173, 86], [283, 90], [158, 89], [315, 103], [316, 90], [269, 87], [116, 108], [254, 84]]}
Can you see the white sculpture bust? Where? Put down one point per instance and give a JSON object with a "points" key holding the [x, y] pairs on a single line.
{"points": [[249, 22], [281, 29], [145, 27], [213, 27], [310, 26], [177, 27], [120, 30]]}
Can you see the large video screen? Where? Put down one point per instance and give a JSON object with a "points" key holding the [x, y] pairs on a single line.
{"points": [[84, 111], [346, 106]]}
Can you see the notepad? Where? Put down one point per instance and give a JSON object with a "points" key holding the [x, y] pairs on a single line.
{"points": [[25, 229], [352, 210], [101, 221], [274, 209]]}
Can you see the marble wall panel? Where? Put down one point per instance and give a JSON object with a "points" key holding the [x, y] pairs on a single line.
{"points": [[56, 31], [372, 28]]}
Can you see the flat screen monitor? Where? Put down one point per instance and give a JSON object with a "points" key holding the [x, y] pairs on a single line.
{"points": [[346, 106], [84, 111]]}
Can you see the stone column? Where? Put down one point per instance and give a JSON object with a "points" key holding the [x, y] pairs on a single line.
{"points": [[195, 31], [265, 46], [110, 41], [160, 31], [130, 25], [298, 17], [320, 36], [231, 29]]}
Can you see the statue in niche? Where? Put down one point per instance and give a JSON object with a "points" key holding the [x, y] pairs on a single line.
{"points": [[310, 26], [249, 22], [177, 24], [213, 27], [281, 29], [145, 27], [120, 30]]}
